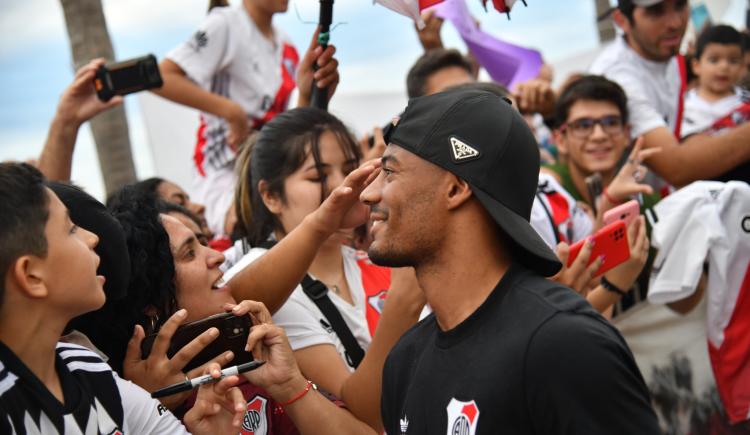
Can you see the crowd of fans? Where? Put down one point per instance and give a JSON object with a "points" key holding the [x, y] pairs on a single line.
{"points": [[431, 276]]}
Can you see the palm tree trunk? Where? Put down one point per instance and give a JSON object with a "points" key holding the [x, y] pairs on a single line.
{"points": [[89, 39]]}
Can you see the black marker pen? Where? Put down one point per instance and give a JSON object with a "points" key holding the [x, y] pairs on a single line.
{"points": [[189, 384]]}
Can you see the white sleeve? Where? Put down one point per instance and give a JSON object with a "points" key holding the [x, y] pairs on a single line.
{"points": [[679, 264], [643, 117], [143, 414], [299, 319], [207, 51], [582, 224]]}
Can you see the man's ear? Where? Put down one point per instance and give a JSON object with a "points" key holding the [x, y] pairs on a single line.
{"points": [[27, 275], [559, 137], [270, 199], [622, 21], [459, 192]]}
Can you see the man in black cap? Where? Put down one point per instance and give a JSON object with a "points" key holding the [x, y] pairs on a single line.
{"points": [[647, 64], [505, 351]]}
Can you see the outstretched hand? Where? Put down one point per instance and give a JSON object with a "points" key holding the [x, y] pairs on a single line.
{"points": [[342, 208], [79, 102], [158, 370], [627, 182]]}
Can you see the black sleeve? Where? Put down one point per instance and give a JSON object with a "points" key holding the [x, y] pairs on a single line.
{"points": [[580, 377]]}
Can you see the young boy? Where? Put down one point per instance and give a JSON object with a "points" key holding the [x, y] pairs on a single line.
{"points": [[48, 268], [719, 64]]}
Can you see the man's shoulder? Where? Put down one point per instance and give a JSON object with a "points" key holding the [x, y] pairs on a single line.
{"points": [[77, 357], [548, 296], [415, 339]]}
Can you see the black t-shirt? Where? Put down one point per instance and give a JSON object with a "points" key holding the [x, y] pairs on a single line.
{"points": [[534, 358]]}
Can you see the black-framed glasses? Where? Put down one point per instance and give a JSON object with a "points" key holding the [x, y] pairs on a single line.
{"points": [[582, 128]]}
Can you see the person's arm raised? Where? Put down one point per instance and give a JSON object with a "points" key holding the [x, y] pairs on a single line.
{"points": [[77, 105], [700, 157], [272, 277], [180, 89]]}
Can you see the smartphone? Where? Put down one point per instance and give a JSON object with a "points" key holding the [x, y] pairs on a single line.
{"points": [[611, 242], [126, 77], [233, 332], [624, 212]]}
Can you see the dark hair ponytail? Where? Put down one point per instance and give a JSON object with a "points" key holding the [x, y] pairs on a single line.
{"points": [[281, 146]]}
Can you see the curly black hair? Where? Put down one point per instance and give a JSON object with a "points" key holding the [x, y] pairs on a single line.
{"points": [[151, 297]]}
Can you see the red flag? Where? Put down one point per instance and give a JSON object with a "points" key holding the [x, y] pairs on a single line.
{"points": [[423, 4]]}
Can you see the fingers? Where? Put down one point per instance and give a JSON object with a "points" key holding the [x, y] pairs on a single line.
{"points": [[563, 251], [584, 277], [222, 360], [161, 344], [257, 310], [196, 345], [260, 334], [237, 404], [133, 353], [645, 154], [314, 40]]}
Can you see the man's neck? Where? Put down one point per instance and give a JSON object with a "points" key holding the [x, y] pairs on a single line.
{"points": [[711, 96], [579, 176], [643, 54], [461, 277], [32, 335], [261, 19]]}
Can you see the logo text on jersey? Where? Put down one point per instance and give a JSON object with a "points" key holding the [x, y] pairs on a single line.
{"points": [[462, 152], [463, 417]]}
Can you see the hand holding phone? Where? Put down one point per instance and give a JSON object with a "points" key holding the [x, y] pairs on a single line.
{"points": [[610, 243], [625, 212], [126, 77]]}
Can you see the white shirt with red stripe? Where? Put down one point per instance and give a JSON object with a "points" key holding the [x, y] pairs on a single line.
{"points": [[556, 215], [305, 324], [229, 56], [710, 221]]}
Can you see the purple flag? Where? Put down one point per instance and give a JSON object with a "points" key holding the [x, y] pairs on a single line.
{"points": [[506, 63]]}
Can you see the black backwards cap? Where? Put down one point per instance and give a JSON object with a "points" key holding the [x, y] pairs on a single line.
{"points": [[480, 138]]}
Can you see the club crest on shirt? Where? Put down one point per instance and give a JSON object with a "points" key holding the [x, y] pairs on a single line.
{"points": [[255, 421], [377, 301], [462, 417]]}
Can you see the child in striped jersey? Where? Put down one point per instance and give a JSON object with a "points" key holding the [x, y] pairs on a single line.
{"points": [[49, 277]]}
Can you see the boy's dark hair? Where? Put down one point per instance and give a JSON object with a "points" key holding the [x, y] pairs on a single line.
{"points": [[428, 64], [721, 34], [592, 88], [24, 211]]}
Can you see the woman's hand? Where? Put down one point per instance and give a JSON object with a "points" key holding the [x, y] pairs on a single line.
{"points": [[624, 275], [79, 101], [342, 208], [219, 407], [577, 276], [158, 370]]}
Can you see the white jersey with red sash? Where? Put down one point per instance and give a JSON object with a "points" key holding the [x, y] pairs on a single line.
{"points": [[229, 56], [305, 324]]}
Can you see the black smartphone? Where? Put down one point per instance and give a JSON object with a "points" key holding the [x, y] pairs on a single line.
{"points": [[233, 332], [126, 77], [594, 186]]}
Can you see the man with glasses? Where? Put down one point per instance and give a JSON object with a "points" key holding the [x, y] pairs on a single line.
{"points": [[592, 134]]}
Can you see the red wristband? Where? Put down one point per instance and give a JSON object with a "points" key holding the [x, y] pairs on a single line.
{"points": [[300, 395], [609, 197]]}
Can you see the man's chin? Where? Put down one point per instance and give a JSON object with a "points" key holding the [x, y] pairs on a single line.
{"points": [[387, 259]]}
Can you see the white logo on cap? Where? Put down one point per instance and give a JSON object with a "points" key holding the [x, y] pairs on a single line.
{"points": [[462, 151]]}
